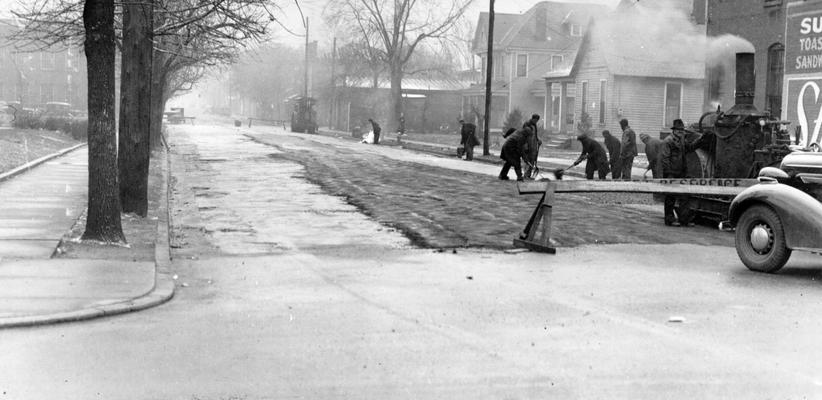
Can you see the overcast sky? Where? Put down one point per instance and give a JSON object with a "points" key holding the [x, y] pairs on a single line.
{"points": [[313, 9], [290, 17]]}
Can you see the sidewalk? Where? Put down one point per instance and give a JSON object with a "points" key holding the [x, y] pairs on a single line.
{"points": [[39, 203]]}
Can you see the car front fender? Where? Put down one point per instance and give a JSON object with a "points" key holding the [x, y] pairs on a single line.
{"points": [[801, 214]]}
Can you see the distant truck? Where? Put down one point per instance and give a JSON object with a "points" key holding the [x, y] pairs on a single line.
{"points": [[303, 116]]}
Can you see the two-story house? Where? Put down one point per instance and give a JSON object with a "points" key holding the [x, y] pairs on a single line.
{"points": [[642, 63], [526, 47]]}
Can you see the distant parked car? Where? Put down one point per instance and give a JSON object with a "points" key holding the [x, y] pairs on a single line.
{"points": [[780, 214], [58, 109]]}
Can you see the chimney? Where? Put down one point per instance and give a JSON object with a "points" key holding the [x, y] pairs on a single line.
{"points": [[745, 79], [541, 20]]}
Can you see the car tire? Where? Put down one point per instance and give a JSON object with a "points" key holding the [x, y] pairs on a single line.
{"points": [[760, 239]]}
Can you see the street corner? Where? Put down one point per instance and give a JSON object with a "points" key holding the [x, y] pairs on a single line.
{"points": [[46, 292]]}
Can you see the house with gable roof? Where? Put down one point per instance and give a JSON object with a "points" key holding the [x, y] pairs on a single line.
{"points": [[526, 47], [620, 71]]}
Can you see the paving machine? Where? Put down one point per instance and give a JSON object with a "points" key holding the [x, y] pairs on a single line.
{"points": [[303, 116], [736, 143]]}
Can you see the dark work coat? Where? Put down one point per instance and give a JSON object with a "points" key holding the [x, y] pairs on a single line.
{"points": [[614, 146], [653, 147], [594, 150], [672, 157], [467, 136], [514, 147], [628, 143]]}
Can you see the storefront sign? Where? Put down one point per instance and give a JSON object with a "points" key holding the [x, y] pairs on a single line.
{"points": [[803, 37], [804, 98]]}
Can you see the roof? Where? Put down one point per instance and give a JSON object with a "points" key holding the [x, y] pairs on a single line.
{"points": [[555, 15], [644, 43], [502, 24], [412, 84], [523, 30]]}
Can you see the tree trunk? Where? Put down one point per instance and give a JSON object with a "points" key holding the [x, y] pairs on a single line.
{"points": [[395, 104], [103, 221], [158, 104], [134, 151]]}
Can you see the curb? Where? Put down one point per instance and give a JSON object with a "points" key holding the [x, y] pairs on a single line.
{"points": [[164, 285], [163, 291], [449, 151], [31, 164]]}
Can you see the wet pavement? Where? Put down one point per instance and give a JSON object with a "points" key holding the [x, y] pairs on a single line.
{"points": [[33, 218], [446, 202], [241, 195], [287, 292]]}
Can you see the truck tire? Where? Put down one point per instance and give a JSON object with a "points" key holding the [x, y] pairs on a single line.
{"points": [[760, 239]]}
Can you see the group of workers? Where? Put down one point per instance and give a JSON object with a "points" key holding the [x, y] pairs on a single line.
{"points": [[666, 159]]}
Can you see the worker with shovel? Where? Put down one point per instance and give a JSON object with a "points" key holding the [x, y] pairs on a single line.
{"points": [[594, 152]]}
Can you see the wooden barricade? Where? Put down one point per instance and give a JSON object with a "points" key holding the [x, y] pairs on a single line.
{"points": [[537, 233]]}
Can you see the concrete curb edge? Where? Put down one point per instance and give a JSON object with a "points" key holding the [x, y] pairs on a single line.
{"points": [[163, 291], [164, 285], [31, 164]]}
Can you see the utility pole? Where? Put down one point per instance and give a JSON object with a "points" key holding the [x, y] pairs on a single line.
{"points": [[489, 73], [333, 85], [305, 88]]}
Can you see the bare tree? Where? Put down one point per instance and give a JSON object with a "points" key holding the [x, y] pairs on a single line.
{"points": [[267, 75], [188, 36], [394, 29], [192, 36]]}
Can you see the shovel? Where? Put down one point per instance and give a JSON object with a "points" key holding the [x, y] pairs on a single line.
{"points": [[560, 172]]}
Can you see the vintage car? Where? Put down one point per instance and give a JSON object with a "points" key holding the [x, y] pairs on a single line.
{"points": [[782, 213]]}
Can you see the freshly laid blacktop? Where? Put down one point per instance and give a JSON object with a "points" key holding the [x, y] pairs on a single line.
{"points": [[39, 204], [550, 159], [42, 200]]}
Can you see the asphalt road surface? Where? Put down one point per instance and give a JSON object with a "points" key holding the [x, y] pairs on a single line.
{"points": [[287, 290]]}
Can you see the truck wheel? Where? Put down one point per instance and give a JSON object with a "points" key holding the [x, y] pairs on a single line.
{"points": [[760, 239]]}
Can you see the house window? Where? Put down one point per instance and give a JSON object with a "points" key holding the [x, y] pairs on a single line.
{"points": [[522, 65], [47, 61], [556, 61], [576, 30], [773, 86], [602, 87], [499, 71], [46, 93], [584, 96], [673, 102]]}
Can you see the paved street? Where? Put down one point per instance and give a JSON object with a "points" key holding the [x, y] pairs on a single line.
{"points": [[287, 292]]}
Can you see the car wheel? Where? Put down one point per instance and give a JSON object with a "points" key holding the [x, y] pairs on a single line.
{"points": [[760, 239]]}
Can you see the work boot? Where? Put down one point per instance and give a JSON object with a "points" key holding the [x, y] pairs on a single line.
{"points": [[503, 178]]}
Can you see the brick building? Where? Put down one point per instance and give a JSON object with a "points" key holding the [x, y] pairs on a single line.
{"points": [[760, 22], [34, 78]]}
